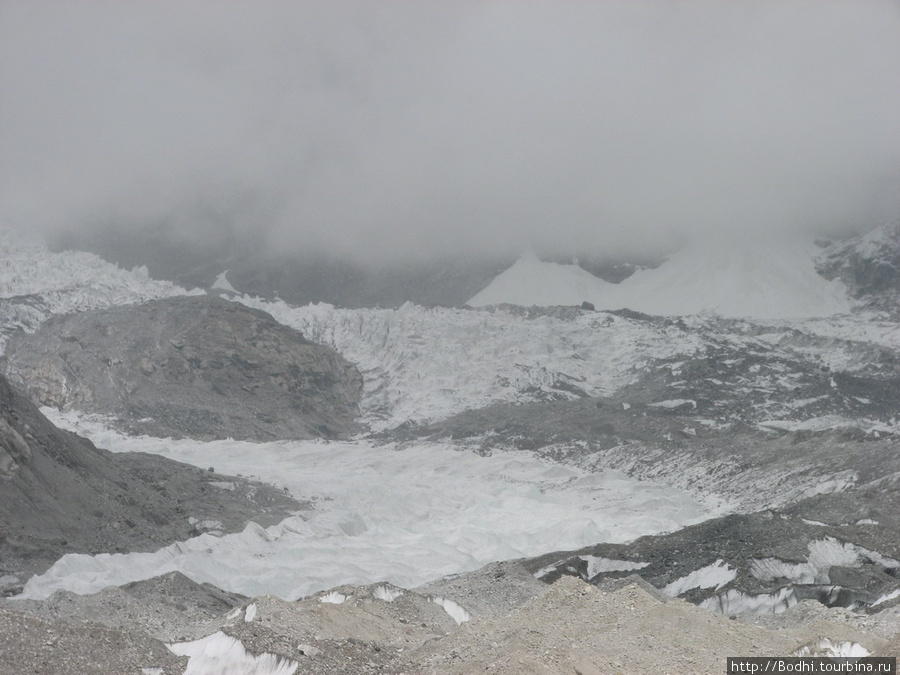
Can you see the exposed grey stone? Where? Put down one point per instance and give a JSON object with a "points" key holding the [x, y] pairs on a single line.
{"points": [[63, 495], [191, 366]]}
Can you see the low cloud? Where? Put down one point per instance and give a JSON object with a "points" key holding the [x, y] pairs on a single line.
{"points": [[405, 129]]}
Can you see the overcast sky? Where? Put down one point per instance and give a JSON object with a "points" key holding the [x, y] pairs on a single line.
{"points": [[399, 127]]}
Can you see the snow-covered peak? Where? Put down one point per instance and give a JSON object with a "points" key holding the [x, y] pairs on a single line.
{"points": [[222, 284], [759, 279], [769, 280], [529, 281]]}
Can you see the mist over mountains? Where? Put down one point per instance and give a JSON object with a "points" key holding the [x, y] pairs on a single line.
{"points": [[477, 336], [403, 133]]}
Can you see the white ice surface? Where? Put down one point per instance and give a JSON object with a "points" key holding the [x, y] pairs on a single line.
{"points": [[220, 654], [771, 279], [823, 647], [402, 514], [823, 555], [333, 598], [456, 611], [673, 403], [886, 597], [386, 592], [715, 576], [597, 565]]}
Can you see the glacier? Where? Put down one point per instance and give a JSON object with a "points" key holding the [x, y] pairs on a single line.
{"points": [[404, 514]]}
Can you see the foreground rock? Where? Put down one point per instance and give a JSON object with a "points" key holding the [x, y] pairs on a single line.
{"points": [[513, 625], [30, 645], [193, 366], [60, 494]]}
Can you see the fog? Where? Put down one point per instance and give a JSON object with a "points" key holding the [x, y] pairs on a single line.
{"points": [[398, 129]]}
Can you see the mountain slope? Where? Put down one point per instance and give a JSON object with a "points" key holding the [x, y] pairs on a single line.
{"points": [[59, 494], [868, 265], [196, 366]]}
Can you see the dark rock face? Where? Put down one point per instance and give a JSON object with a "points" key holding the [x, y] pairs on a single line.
{"points": [[60, 494], [868, 265], [196, 366]]}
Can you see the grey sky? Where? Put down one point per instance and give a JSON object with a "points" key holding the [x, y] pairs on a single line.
{"points": [[390, 128]]}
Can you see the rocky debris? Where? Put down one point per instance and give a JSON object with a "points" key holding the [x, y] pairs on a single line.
{"points": [[30, 645], [514, 624], [493, 590], [170, 608], [840, 549], [577, 628], [60, 494], [345, 630], [195, 366]]}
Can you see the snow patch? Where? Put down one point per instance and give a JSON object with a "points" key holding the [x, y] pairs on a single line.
{"points": [[211, 526], [387, 593], [333, 598], [887, 597], [715, 576], [597, 565], [458, 613], [250, 614], [824, 647], [220, 654], [823, 555], [674, 403]]}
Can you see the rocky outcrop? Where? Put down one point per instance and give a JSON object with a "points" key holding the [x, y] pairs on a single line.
{"points": [[194, 366], [869, 265], [60, 494]]}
